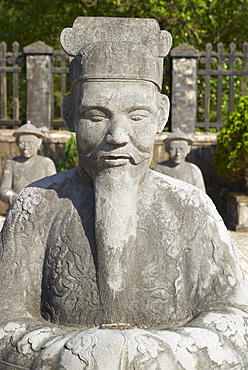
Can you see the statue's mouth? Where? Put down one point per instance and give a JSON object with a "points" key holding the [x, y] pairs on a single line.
{"points": [[115, 160], [116, 157]]}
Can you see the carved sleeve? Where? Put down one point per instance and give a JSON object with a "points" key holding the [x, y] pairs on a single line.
{"points": [[22, 256]]}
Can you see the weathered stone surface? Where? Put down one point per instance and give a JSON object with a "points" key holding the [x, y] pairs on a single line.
{"points": [[184, 50], [22, 170], [112, 265], [39, 84], [178, 146], [183, 105], [37, 48]]}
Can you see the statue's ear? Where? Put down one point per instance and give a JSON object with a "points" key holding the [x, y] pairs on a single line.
{"points": [[67, 112], [164, 110], [39, 141]]}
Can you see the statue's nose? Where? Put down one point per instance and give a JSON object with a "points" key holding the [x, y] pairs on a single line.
{"points": [[117, 134]]}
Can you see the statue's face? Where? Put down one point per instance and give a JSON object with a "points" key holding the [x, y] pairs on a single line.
{"points": [[28, 145], [178, 150], [115, 122]]}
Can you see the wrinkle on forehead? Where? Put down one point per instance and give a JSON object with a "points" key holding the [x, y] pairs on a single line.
{"points": [[27, 137], [113, 93]]}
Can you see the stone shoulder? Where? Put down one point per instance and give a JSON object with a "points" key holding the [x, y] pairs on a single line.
{"points": [[165, 182], [194, 167], [44, 159], [182, 194], [57, 179], [186, 164], [42, 196], [12, 160]]}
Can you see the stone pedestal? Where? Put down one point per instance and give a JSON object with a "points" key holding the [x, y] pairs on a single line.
{"points": [[238, 211]]}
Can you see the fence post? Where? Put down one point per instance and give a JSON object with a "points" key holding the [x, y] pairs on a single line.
{"points": [[184, 88], [39, 84]]}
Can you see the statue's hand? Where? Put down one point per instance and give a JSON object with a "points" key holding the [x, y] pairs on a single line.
{"points": [[11, 195], [15, 195], [106, 349], [24, 340]]}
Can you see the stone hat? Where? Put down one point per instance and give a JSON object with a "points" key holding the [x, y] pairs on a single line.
{"points": [[116, 48], [28, 129], [178, 135]]}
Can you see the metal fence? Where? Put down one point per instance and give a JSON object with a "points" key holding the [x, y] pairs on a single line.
{"points": [[60, 73], [221, 81], [12, 75]]}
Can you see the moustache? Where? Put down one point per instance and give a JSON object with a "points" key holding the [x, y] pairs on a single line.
{"points": [[135, 156]]}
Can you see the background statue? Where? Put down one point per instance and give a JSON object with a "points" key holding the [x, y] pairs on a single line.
{"points": [[177, 146], [111, 265], [28, 167]]}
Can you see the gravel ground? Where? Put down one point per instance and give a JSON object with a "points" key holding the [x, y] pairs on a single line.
{"points": [[240, 242]]}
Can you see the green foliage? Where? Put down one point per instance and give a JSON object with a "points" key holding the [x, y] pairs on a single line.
{"points": [[195, 22], [231, 155], [69, 159], [211, 129]]}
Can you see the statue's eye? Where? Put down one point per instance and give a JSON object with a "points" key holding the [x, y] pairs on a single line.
{"points": [[94, 115], [139, 115]]}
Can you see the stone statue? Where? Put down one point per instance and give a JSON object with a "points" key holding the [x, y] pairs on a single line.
{"points": [[177, 146], [111, 265], [26, 168]]}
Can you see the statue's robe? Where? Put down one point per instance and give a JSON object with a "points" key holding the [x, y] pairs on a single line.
{"points": [[187, 275]]}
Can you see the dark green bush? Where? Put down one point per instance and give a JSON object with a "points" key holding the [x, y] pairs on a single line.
{"points": [[69, 159], [231, 155]]}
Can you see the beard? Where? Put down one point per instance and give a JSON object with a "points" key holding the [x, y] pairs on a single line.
{"points": [[116, 197], [117, 173]]}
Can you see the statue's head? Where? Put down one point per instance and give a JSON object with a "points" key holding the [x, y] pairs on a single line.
{"points": [[178, 145], [28, 139], [115, 106]]}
